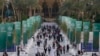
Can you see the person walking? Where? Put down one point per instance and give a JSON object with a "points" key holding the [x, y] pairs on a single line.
{"points": [[43, 54], [5, 54], [45, 49], [57, 52], [49, 49], [64, 49], [67, 48], [18, 51]]}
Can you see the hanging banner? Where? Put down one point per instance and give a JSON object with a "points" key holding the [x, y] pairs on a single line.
{"points": [[78, 31], [68, 22], [86, 29], [78, 25], [24, 27], [95, 41], [71, 35], [73, 23], [29, 27], [86, 26], [3, 37], [18, 32], [11, 47], [72, 30], [96, 27]]}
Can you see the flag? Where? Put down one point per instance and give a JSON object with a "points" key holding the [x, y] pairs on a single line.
{"points": [[18, 32], [86, 29], [78, 29], [10, 44], [96, 30], [3, 39], [29, 27], [24, 27], [72, 30]]}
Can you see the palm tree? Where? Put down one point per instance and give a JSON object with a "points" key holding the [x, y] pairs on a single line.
{"points": [[1, 9], [31, 4], [22, 5], [19, 6], [83, 8]]}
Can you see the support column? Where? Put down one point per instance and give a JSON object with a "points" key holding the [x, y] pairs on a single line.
{"points": [[34, 11]]}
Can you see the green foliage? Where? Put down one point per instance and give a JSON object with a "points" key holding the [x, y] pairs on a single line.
{"points": [[31, 2], [64, 27], [24, 17], [22, 4], [1, 3], [81, 9]]}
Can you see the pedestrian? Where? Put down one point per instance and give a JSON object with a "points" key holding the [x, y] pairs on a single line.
{"points": [[38, 42], [61, 49], [57, 52], [33, 38], [50, 37], [64, 49], [94, 54], [53, 45], [18, 51], [45, 49], [67, 48], [49, 49], [79, 52], [5, 54], [38, 53], [42, 54]]}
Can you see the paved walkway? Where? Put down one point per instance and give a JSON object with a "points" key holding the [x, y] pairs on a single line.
{"points": [[35, 48], [31, 48]]}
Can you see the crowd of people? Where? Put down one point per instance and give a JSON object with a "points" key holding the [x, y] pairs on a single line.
{"points": [[50, 38], [49, 41]]}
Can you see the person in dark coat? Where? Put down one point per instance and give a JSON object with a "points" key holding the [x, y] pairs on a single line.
{"points": [[38, 42], [45, 49], [79, 52], [5, 54], [38, 54], [18, 51], [94, 54], [57, 52], [42, 54], [53, 45], [60, 49], [49, 49], [67, 48], [64, 49]]}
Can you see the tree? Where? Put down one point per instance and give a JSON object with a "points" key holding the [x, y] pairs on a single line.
{"points": [[19, 6], [31, 4], [1, 8], [81, 9], [22, 5]]}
